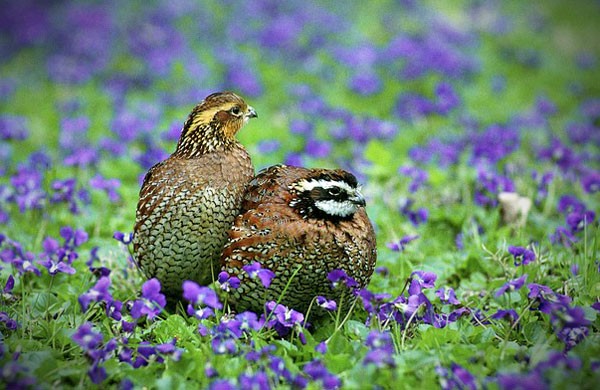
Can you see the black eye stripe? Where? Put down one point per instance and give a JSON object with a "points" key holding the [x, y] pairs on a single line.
{"points": [[320, 193]]}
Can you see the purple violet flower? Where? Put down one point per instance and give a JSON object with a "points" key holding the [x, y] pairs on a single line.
{"points": [[510, 315], [326, 303], [570, 204], [97, 373], [13, 374], [55, 258], [365, 83], [64, 191], [222, 384], [412, 107], [266, 147], [418, 176], [570, 324], [591, 182], [82, 157], [561, 155], [202, 300], [73, 238], [151, 303], [224, 344], [522, 256], [109, 186], [248, 321], [200, 295], [339, 277], [421, 280], [546, 298], [113, 310], [458, 313], [489, 185], [124, 238], [532, 380], [382, 270], [563, 236], [145, 351], [227, 283], [7, 294], [13, 127], [258, 380], [447, 296], [87, 338], [400, 245], [97, 293], [301, 127], [264, 353], [381, 349], [511, 285], [255, 270], [22, 260], [543, 182], [321, 348], [8, 322], [318, 372], [284, 316], [457, 377], [277, 366], [463, 376], [416, 217], [169, 349], [371, 302], [127, 326], [317, 148], [446, 98], [577, 221]]}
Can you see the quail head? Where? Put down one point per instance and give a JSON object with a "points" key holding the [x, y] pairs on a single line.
{"points": [[189, 201], [301, 224]]}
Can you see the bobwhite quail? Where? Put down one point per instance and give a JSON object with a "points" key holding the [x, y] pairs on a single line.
{"points": [[189, 201], [303, 221]]}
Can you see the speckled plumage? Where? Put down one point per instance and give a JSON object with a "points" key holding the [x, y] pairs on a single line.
{"points": [[189, 201], [282, 230]]}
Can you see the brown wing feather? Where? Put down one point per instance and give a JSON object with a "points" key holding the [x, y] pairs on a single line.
{"points": [[270, 185]]}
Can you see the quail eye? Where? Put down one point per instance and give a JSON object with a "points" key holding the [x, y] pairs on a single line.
{"points": [[236, 111], [334, 191]]}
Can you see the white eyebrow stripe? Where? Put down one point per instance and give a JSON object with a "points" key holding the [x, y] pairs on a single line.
{"points": [[308, 185]]}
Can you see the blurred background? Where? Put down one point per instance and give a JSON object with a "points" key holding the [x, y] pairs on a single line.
{"points": [[320, 73]]}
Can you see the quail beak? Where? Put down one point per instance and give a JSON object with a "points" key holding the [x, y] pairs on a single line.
{"points": [[358, 198], [251, 113]]}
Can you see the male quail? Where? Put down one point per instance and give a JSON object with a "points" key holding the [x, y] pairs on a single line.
{"points": [[189, 201], [303, 221]]}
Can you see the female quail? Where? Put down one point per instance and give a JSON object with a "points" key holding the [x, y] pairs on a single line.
{"points": [[189, 201], [303, 221]]}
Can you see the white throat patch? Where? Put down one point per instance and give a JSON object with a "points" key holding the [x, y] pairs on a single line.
{"points": [[337, 208]]}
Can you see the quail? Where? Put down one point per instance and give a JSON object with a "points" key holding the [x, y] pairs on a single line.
{"points": [[300, 224], [189, 201]]}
